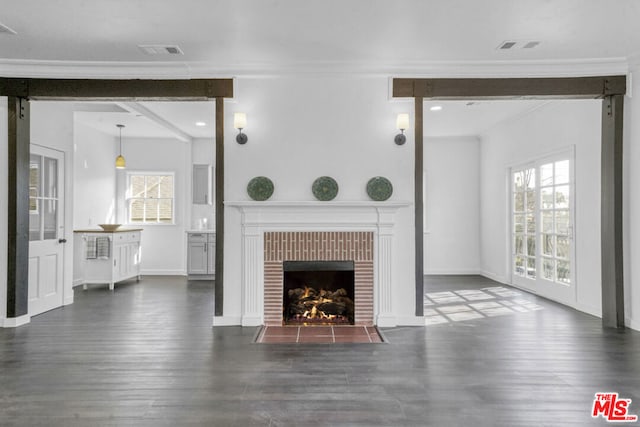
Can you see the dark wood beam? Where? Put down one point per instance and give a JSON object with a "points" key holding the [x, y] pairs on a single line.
{"points": [[219, 290], [611, 213], [117, 90], [18, 201], [518, 88], [419, 204]]}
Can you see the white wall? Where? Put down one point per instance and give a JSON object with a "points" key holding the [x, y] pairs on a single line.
{"points": [[556, 125], [632, 201], [95, 177], [163, 246], [452, 205], [52, 127], [300, 128]]}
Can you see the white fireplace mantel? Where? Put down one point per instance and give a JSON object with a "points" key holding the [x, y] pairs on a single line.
{"points": [[259, 217]]}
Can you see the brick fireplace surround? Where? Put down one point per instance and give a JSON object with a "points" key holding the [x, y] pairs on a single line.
{"points": [[318, 246]]}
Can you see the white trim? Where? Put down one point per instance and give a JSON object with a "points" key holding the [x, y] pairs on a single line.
{"points": [[631, 323], [589, 309], [260, 217], [495, 277], [161, 272], [127, 196], [191, 70], [227, 321], [14, 322], [68, 300], [408, 321], [461, 271]]}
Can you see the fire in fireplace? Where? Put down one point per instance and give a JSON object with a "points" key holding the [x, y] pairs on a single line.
{"points": [[318, 292]]}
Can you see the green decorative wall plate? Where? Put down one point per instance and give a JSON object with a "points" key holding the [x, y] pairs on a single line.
{"points": [[379, 188], [325, 188], [260, 188]]}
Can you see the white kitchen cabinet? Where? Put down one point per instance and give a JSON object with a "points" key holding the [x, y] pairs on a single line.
{"points": [[202, 184], [201, 255], [106, 257]]}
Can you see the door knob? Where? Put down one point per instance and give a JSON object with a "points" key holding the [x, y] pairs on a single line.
{"points": [[62, 240]]}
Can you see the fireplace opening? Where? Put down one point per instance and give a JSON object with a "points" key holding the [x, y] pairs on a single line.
{"points": [[318, 293]]}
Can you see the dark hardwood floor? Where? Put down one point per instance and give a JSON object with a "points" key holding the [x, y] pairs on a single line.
{"points": [[146, 355]]}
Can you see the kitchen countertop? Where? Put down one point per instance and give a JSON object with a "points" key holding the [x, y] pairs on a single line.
{"points": [[100, 230], [208, 230]]}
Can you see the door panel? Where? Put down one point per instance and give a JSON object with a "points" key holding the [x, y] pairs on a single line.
{"points": [[46, 219], [542, 212]]}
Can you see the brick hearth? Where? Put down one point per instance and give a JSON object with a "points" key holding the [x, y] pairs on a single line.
{"points": [[318, 246]]}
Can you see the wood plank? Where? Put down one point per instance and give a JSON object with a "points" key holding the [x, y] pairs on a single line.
{"points": [[219, 283], [18, 201], [419, 203], [611, 212], [146, 355], [117, 90], [509, 88]]}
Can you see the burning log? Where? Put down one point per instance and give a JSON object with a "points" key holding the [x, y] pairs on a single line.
{"points": [[309, 305]]}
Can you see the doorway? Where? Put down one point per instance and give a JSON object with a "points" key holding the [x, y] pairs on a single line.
{"points": [[46, 229], [542, 213]]}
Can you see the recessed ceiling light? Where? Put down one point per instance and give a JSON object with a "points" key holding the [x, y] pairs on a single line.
{"points": [[436, 108], [201, 124]]}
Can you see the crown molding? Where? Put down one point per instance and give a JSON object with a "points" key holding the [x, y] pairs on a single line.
{"points": [[417, 69], [634, 60]]}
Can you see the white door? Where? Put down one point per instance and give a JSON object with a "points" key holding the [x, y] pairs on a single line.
{"points": [[46, 229], [543, 250]]}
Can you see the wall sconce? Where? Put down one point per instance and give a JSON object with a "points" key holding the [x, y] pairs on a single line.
{"points": [[120, 162], [240, 122], [402, 123]]}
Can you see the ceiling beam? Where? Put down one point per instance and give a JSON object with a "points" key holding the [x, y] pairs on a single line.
{"points": [[516, 88], [117, 90], [137, 108]]}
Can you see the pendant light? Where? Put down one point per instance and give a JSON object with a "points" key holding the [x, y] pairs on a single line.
{"points": [[120, 162]]}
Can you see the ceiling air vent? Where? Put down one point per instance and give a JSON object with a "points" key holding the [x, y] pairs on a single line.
{"points": [[157, 49], [518, 44], [531, 44], [6, 30]]}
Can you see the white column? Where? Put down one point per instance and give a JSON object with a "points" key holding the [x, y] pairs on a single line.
{"points": [[252, 276], [384, 268]]}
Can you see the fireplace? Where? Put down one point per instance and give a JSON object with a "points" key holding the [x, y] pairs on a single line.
{"points": [[318, 293], [276, 232], [337, 263]]}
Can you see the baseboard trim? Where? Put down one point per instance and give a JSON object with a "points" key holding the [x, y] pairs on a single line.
{"points": [[409, 321], [386, 321], [68, 300], [495, 277], [461, 272], [594, 311], [14, 322], [157, 272], [227, 321], [252, 321], [632, 324]]}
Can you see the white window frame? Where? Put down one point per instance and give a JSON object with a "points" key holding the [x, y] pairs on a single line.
{"points": [[128, 198], [552, 289]]}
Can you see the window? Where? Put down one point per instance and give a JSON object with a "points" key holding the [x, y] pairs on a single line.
{"points": [[150, 198], [542, 217]]}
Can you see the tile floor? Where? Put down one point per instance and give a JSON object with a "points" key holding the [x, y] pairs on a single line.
{"points": [[318, 334]]}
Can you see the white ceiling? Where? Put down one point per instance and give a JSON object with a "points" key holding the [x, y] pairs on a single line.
{"points": [[232, 33], [232, 37], [471, 118]]}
